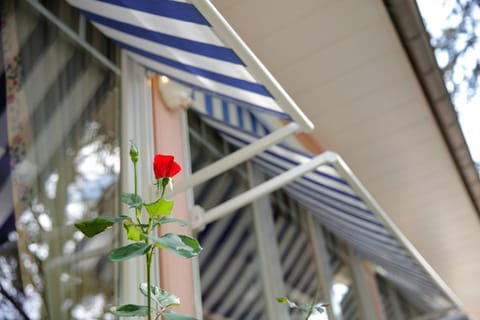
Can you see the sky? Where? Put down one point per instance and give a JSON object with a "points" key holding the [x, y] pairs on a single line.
{"points": [[435, 16]]}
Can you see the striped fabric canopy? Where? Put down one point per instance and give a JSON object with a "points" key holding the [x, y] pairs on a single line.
{"points": [[174, 39], [333, 201]]}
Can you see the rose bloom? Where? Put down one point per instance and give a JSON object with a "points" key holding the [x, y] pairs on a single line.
{"points": [[165, 166]]}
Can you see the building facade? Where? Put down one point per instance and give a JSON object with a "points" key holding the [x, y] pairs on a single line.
{"points": [[73, 99]]}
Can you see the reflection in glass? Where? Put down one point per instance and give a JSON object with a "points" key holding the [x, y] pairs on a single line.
{"points": [[63, 149]]}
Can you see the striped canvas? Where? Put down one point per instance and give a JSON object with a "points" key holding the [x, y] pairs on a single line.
{"points": [[174, 39]]}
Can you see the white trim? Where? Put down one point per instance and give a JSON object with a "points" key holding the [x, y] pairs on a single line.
{"points": [[136, 125], [363, 293], [268, 252], [324, 270], [187, 169]]}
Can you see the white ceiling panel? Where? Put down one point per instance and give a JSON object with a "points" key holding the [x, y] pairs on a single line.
{"points": [[344, 65]]}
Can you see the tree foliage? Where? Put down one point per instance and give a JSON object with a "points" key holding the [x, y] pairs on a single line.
{"points": [[458, 48]]}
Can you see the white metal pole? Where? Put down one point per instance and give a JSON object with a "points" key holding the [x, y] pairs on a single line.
{"points": [[268, 252], [254, 65], [264, 188], [197, 288], [235, 158], [324, 270], [136, 126], [364, 293]]}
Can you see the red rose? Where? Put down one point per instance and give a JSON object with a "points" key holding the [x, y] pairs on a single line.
{"points": [[164, 166]]}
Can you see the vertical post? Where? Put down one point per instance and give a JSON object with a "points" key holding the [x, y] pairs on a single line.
{"points": [[393, 299], [366, 291], [176, 274], [270, 263], [324, 270], [136, 115]]}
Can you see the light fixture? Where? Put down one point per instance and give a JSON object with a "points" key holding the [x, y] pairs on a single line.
{"points": [[173, 93]]}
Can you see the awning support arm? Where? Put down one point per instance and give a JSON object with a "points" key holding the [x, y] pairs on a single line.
{"points": [[264, 189], [343, 169], [235, 158]]}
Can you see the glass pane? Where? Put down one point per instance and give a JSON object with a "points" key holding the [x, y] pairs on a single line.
{"points": [[63, 130]]}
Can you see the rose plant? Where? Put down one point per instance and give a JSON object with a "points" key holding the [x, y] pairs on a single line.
{"points": [[144, 239], [307, 308]]}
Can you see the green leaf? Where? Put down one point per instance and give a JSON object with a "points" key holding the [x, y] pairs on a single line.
{"points": [[132, 200], [282, 300], [181, 245], [161, 207], [285, 300], [163, 220], [130, 310], [170, 315], [97, 225], [162, 297], [134, 231], [129, 251]]}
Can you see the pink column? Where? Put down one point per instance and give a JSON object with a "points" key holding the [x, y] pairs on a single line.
{"points": [[176, 274]]}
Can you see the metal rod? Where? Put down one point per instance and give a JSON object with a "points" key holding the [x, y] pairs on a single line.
{"points": [[268, 251], [74, 36], [255, 66], [264, 188], [365, 293], [324, 270], [235, 158], [357, 186]]}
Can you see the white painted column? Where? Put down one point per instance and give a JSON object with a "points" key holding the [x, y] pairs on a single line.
{"points": [[136, 115], [324, 271], [366, 291], [269, 254]]}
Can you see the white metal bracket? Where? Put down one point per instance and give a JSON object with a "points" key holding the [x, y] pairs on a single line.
{"points": [[235, 158]]}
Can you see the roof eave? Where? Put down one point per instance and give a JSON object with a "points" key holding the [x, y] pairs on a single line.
{"points": [[415, 39]]}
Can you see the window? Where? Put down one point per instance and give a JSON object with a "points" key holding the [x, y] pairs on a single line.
{"points": [[62, 158]]}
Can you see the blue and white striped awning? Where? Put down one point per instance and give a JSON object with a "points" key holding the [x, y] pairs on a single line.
{"points": [[328, 193], [192, 44]]}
